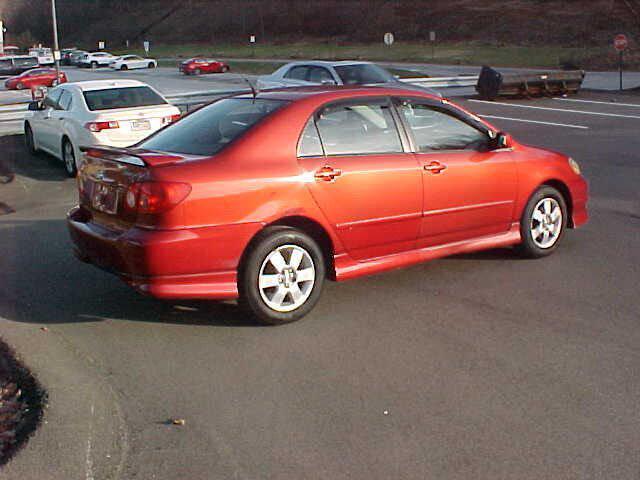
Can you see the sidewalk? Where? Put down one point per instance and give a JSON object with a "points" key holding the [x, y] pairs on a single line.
{"points": [[83, 434]]}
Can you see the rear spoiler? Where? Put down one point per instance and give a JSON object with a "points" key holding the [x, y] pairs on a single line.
{"points": [[132, 156]]}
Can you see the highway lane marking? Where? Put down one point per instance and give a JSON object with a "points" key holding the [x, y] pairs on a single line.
{"points": [[568, 125], [564, 110], [613, 104]]}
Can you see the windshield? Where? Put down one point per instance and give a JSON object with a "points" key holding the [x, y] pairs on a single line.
{"points": [[363, 74], [210, 129], [126, 97]]}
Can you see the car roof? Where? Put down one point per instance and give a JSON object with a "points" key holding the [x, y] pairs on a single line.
{"points": [[106, 84], [331, 92], [326, 63]]}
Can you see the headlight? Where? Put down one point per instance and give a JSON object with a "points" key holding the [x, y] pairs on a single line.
{"points": [[574, 166]]}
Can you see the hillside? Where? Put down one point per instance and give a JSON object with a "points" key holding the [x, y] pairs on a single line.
{"points": [[533, 23]]}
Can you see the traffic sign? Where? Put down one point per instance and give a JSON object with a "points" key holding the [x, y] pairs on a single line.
{"points": [[252, 39], [146, 46], [620, 42], [100, 45], [389, 38]]}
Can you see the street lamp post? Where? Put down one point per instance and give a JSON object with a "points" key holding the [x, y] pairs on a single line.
{"points": [[56, 48]]}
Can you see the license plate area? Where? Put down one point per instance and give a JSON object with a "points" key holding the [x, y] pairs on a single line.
{"points": [[104, 198], [138, 125]]}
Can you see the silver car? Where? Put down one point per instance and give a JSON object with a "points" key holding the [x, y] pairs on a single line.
{"points": [[308, 73]]}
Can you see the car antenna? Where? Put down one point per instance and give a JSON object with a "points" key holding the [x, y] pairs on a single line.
{"points": [[254, 89]]}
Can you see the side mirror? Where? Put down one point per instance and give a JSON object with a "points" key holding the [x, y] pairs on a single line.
{"points": [[35, 106], [503, 140]]}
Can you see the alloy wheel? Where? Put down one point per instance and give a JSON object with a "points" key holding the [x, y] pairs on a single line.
{"points": [[286, 278], [546, 222]]}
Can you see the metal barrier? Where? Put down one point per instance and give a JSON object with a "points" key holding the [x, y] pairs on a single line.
{"points": [[492, 83], [186, 101]]}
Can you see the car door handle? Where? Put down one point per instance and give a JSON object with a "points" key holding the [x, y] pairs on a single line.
{"points": [[434, 167], [327, 173]]}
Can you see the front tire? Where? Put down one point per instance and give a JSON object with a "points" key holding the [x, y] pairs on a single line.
{"points": [[282, 276], [124, 67], [197, 71], [28, 140], [225, 69], [20, 86], [152, 65], [543, 223], [94, 65], [69, 158]]}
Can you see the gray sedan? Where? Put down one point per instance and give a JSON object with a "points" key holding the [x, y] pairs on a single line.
{"points": [[308, 73]]}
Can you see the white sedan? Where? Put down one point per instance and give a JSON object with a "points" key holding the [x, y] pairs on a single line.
{"points": [[117, 113], [129, 62]]}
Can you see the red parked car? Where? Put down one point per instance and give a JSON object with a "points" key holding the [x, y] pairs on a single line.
{"points": [[38, 77], [263, 198], [196, 66]]}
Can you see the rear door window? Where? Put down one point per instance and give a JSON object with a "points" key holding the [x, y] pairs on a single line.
{"points": [[359, 128], [126, 97], [309, 144]]}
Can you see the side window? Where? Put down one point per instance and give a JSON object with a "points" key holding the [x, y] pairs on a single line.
{"points": [[435, 129], [65, 100], [298, 73], [52, 98], [309, 144], [320, 75], [356, 129]]}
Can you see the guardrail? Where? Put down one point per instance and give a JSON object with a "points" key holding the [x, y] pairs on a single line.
{"points": [[185, 101]]}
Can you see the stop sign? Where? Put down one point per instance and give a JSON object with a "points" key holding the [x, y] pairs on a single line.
{"points": [[620, 42]]}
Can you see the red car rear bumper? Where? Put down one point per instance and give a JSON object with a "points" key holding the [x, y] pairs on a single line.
{"points": [[188, 263]]}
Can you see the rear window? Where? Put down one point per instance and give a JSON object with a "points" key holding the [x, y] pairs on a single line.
{"points": [[122, 98], [210, 129]]}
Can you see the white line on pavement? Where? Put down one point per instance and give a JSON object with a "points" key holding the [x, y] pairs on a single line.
{"points": [[613, 104], [582, 127], [557, 109]]}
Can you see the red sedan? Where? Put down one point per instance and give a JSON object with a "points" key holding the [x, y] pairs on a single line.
{"points": [[196, 66], [264, 198], [38, 77]]}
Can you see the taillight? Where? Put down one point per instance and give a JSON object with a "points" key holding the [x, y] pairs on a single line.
{"points": [[171, 119], [99, 126], [155, 197]]}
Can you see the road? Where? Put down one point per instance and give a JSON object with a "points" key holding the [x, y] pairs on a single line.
{"points": [[479, 366]]}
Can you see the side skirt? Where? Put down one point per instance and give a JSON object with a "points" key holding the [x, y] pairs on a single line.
{"points": [[347, 268]]}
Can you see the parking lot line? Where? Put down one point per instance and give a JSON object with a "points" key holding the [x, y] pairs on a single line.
{"points": [[613, 104], [565, 110], [568, 125]]}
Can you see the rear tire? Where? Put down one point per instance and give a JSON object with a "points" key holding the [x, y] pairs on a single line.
{"points": [[152, 65], [94, 65], [225, 69], [543, 223], [20, 86], [124, 67], [281, 278], [69, 158], [197, 71]]}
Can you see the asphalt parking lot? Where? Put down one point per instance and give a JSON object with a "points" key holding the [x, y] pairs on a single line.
{"points": [[481, 366]]}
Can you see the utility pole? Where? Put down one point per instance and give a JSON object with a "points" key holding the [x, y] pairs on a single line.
{"points": [[56, 48], [1, 38]]}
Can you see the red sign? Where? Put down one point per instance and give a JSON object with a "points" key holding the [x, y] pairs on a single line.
{"points": [[620, 42]]}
